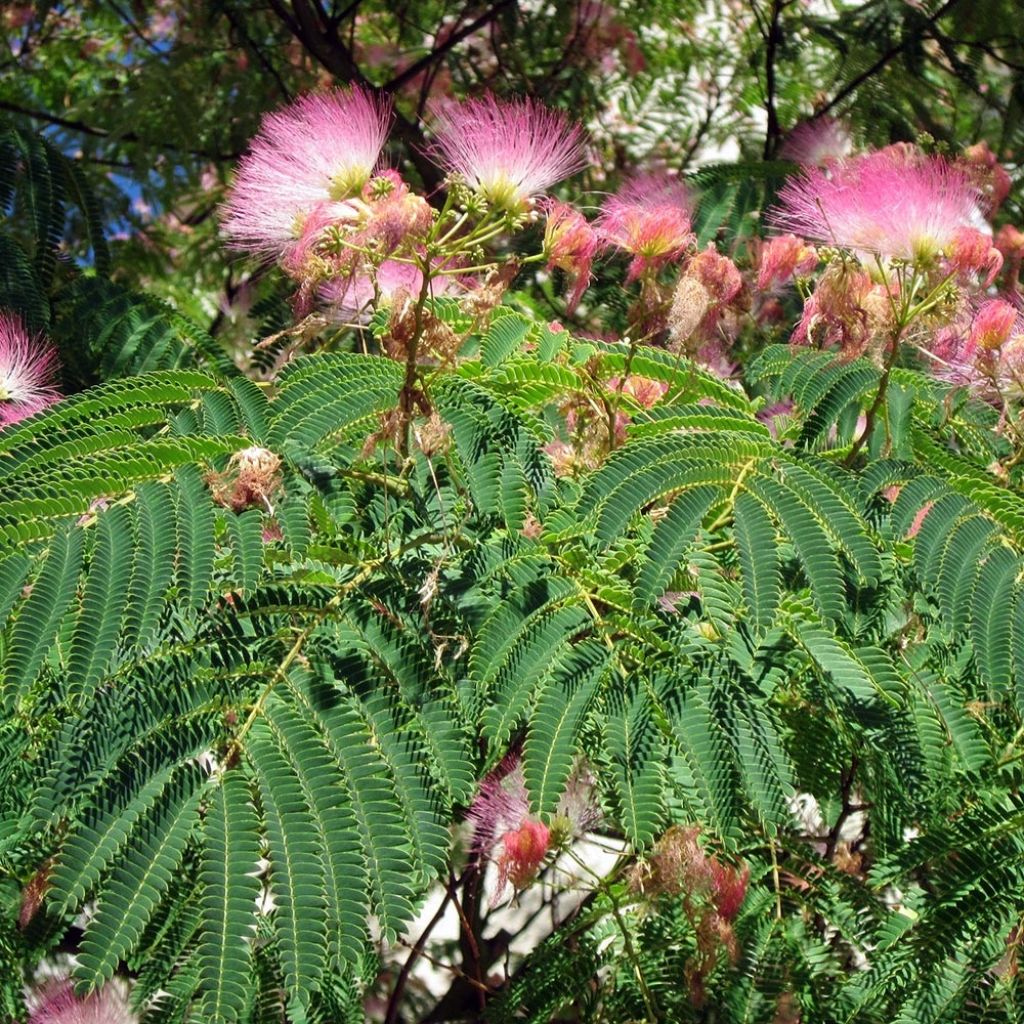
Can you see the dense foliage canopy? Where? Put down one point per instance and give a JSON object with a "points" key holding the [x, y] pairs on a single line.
{"points": [[469, 558]]}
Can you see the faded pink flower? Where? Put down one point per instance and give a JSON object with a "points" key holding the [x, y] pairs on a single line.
{"points": [[989, 174], [971, 253], [783, 258], [1009, 241], [643, 390], [507, 150], [993, 324], [320, 149], [776, 416], [918, 520], [518, 842], [649, 218], [56, 1003], [570, 244], [28, 372], [817, 142], [893, 203], [600, 32]]}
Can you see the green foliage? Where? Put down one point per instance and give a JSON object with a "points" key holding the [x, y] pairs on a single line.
{"points": [[244, 726]]}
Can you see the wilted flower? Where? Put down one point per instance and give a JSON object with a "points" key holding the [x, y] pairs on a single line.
{"points": [[643, 390], [508, 151], [570, 244], [1010, 242], [783, 258], [252, 477], [28, 372], [56, 1003], [712, 893], [517, 841], [717, 273], [836, 313], [893, 203], [649, 218], [708, 284], [817, 142], [320, 149]]}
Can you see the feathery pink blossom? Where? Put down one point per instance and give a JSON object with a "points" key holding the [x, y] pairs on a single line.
{"points": [[28, 372], [817, 142], [570, 244], [507, 150], [320, 149], [893, 203], [56, 1003], [649, 218], [783, 258]]}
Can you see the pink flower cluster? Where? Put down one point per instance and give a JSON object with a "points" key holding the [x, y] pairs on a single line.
{"points": [[311, 195], [28, 372]]}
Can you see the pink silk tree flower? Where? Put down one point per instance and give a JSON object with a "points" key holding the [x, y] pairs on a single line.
{"points": [[649, 218], [817, 142], [507, 150], [320, 149], [783, 258], [891, 203], [56, 1003], [28, 372], [570, 244]]}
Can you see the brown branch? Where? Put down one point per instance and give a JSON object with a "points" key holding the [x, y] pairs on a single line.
{"points": [[883, 61], [452, 41], [395, 1001], [239, 26], [772, 40], [102, 133]]}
